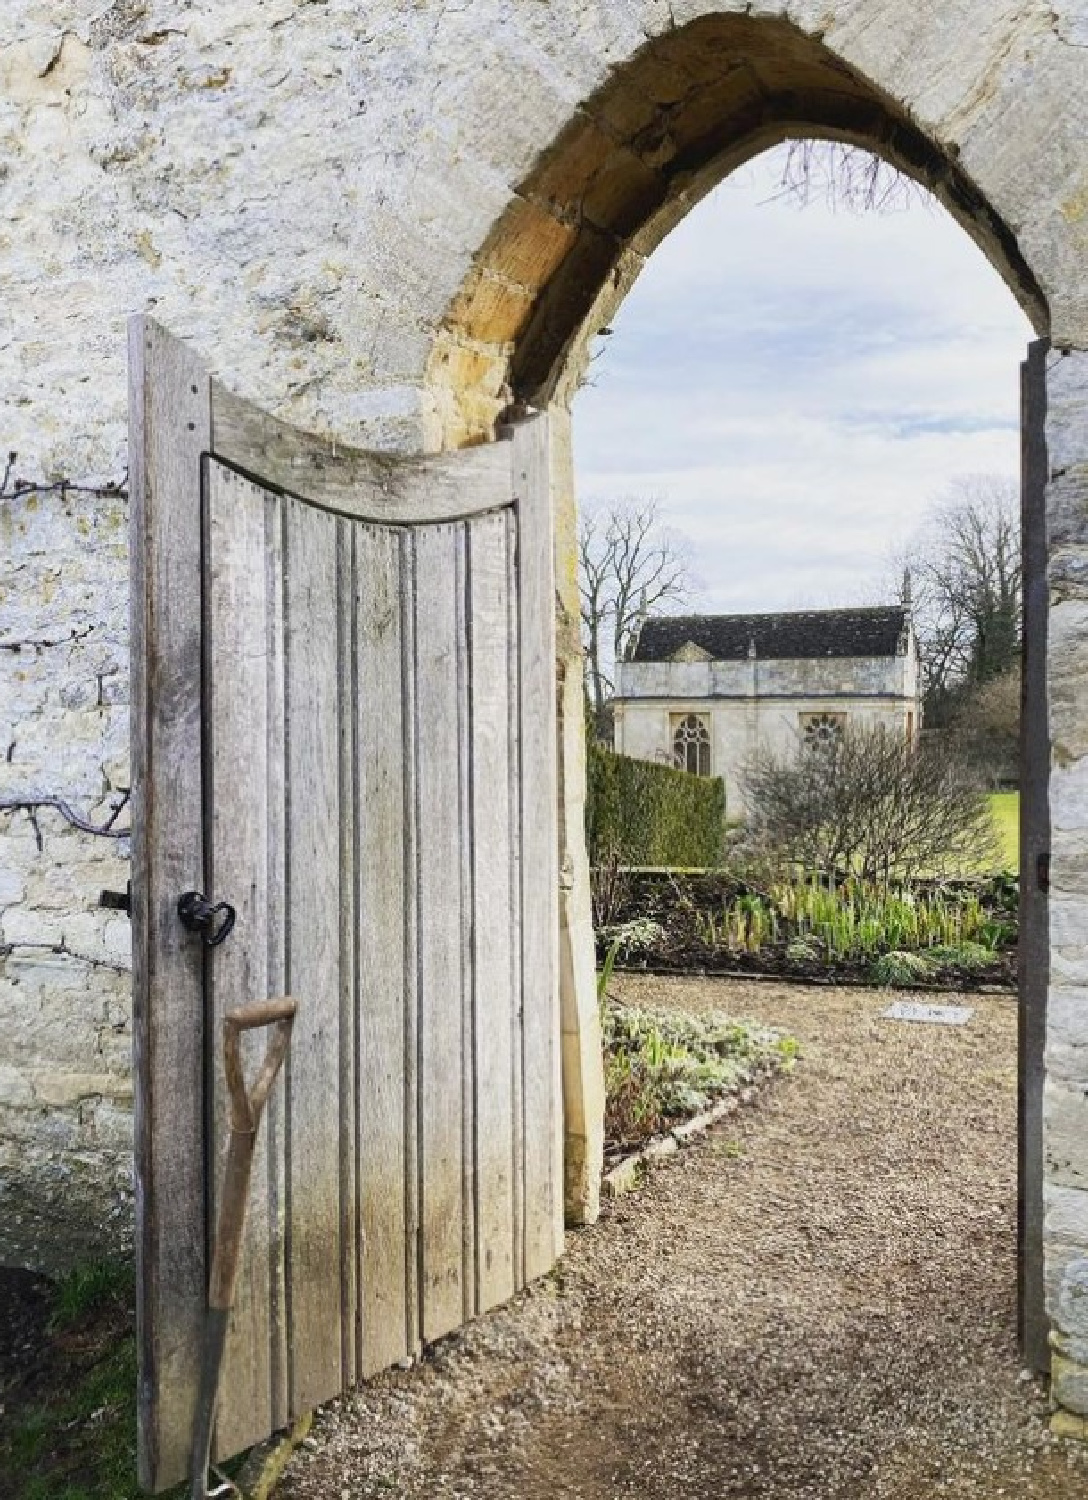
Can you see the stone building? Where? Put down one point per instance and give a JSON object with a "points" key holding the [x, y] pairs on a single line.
{"points": [[710, 692], [399, 224]]}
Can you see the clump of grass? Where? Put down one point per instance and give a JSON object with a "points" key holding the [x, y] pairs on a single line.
{"points": [[663, 1065], [89, 1289], [971, 958], [853, 921], [76, 1439], [900, 970]]}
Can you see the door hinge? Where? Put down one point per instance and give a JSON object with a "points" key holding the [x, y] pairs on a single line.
{"points": [[117, 900]]}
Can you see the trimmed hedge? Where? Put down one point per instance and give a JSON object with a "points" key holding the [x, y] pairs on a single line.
{"points": [[652, 814]]}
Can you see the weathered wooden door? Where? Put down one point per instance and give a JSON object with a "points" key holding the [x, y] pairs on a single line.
{"points": [[1034, 944], [344, 727]]}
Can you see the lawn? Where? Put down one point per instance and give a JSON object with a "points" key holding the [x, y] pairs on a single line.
{"points": [[1006, 810]]}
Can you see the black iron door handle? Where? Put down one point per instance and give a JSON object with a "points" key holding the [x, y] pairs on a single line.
{"points": [[214, 921]]}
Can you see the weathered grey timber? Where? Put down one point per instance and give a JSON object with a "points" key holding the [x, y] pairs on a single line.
{"points": [[376, 776], [1033, 949], [171, 428], [370, 486]]}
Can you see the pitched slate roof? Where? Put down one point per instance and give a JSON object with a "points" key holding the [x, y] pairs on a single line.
{"points": [[802, 636]]}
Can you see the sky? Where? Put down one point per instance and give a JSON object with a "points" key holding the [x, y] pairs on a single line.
{"points": [[797, 385]]}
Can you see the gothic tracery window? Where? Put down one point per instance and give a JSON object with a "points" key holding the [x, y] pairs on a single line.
{"points": [[691, 744], [822, 730]]}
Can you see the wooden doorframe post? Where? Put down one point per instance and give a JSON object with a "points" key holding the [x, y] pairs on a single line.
{"points": [[170, 427], [1034, 945], [583, 1063]]}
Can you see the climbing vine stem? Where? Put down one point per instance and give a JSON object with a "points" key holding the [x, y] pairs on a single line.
{"points": [[12, 484], [106, 830]]}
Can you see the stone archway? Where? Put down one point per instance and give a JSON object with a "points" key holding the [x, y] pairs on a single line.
{"points": [[686, 108]]}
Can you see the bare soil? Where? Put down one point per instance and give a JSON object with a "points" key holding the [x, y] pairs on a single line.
{"points": [[816, 1301]]}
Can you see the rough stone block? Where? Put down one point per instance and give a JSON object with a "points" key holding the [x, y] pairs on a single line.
{"points": [[1066, 436], [1069, 1384], [64, 1089], [23, 925], [12, 886], [15, 1088], [1065, 1127], [1069, 795], [1069, 1428]]}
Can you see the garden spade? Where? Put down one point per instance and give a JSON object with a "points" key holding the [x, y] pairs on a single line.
{"points": [[246, 1108]]}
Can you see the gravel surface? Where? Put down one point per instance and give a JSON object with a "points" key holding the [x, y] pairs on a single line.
{"points": [[817, 1300]]}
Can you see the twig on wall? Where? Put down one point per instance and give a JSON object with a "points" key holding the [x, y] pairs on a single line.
{"points": [[106, 830], [11, 484], [39, 643]]}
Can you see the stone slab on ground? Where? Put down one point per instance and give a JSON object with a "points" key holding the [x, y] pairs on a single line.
{"points": [[936, 1015]]}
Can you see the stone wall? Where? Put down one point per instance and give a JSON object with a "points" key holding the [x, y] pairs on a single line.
{"points": [[65, 1005], [386, 221]]}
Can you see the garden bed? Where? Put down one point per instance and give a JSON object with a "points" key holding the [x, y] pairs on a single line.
{"points": [[930, 934], [664, 1068]]}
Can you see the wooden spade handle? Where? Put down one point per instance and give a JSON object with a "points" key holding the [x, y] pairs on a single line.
{"points": [[246, 1106]]}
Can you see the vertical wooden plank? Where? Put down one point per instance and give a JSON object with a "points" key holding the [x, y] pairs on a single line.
{"points": [[542, 1164], [169, 415], [348, 798], [413, 1171], [236, 791], [469, 931], [313, 960], [275, 1122], [1033, 947], [380, 861], [440, 959], [513, 782], [494, 1013]]}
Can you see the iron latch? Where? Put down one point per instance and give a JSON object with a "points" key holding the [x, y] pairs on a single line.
{"points": [[214, 921]]}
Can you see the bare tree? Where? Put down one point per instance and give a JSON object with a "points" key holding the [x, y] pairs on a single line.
{"points": [[987, 727], [871, 804], [629, 562], [965, 568], [847, 177]]}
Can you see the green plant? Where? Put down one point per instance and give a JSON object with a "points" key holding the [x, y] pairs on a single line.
{"points": [[636, 936], [604, 978], [661, 1065], [970, 957], [899, 970], [86, 1289]]}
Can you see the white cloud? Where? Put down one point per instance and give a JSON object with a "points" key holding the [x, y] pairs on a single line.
{"points": [[797, 385]]}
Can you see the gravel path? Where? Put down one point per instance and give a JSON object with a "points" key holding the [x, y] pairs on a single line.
{"points": [[817, 1301]]}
